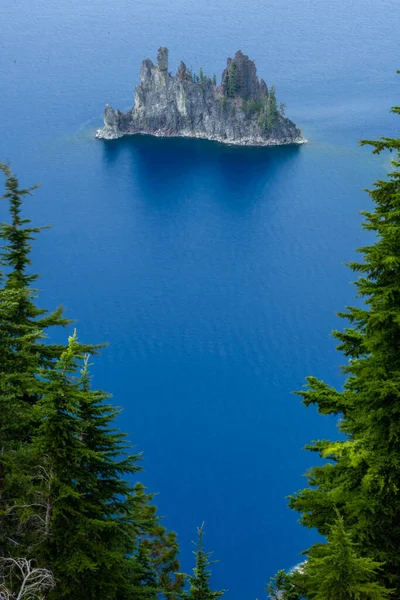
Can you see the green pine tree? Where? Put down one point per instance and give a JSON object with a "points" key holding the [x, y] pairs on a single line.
{"points": [[335, 571], [15, 261], [23, 351], [232, 82], [160, 545], [269, 113], [362, 475], [88, 505], [287, 586], [214, 79], [143, 577], [64, 497], [17, 384], [199, 582]]}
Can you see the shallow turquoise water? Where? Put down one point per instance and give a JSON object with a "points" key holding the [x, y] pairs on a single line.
{"points": [[213, 272]]}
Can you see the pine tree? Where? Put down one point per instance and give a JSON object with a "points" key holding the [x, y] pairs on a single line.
{"points": [[161, 546], [335, 571], [214, 79], [23, 352], [232, 80], [15, 261], [90, 529], [269, 112], [362, 475], [287, 586], [199, 582], [64, 497], [141, 577], [21, 325], [16, 375]]}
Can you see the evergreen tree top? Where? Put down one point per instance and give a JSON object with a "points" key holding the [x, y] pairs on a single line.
{"points": [[199, 582], [336, 571], [15, 259], [16, 254]]}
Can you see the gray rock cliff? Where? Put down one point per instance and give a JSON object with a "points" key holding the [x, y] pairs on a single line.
{"points": [[241, 110]]}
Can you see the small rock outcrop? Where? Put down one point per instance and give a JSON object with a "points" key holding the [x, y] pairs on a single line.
{"points": [[241, 110], [162, 59]]}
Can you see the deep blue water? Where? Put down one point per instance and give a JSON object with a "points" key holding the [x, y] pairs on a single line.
{"points": [[213, 272]]}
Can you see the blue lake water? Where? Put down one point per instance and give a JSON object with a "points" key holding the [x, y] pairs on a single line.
{"points": [[213, 272]]}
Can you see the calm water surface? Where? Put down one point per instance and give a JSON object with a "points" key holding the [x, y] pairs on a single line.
{"points": [[213, 272]]}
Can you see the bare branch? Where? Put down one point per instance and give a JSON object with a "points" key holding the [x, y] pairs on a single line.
{"points": [[33, 582], [24, 506]]}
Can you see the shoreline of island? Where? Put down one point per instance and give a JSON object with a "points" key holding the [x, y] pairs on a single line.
{"points": [[103, 134]]}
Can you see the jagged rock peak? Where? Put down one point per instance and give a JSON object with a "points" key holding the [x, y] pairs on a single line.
{"points": [[182, 71], [263, 88], [162, 59], [111, 116], [246, 84]]}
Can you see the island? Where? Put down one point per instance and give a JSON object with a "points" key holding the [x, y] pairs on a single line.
{"points": [[241, 110]]}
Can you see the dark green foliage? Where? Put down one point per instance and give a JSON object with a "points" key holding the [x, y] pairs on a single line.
{"points": [[104, 536], [22, 353], [140, 576], [202, 79], [252, 107], [65, 500], [199, 582], [269, 113], [232, 82], [287, 586], [15, 261], [335, 571], [87, 503], [266, 110], [161, 546], [214, 79], [362, 476]]}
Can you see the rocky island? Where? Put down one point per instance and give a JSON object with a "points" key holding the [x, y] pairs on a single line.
{"points": [[241, 110]]}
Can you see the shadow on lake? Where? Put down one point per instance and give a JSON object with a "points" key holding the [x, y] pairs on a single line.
{"points": [[168, 166]]}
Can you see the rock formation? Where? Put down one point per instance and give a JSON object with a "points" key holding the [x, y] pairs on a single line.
{"points": [[241, 110]]}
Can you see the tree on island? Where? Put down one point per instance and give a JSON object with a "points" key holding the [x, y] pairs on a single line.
{"points": [[232, 81], [269, 114]]}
